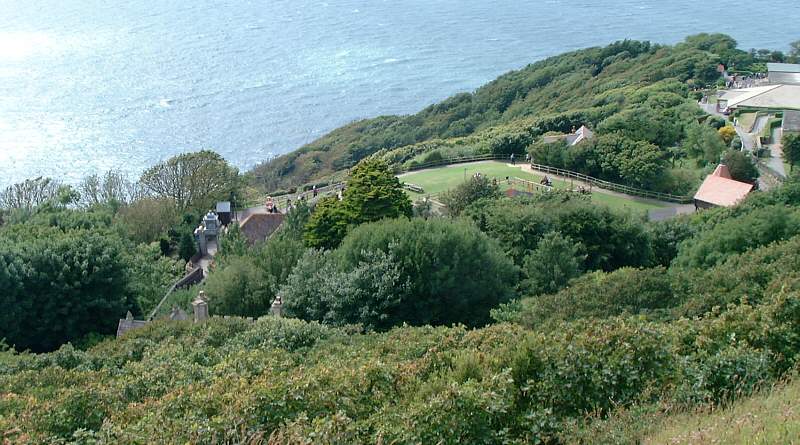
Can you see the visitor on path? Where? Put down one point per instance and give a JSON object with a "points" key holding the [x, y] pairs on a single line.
{"points": [[269, 204], [527, 157], [512, 159]]}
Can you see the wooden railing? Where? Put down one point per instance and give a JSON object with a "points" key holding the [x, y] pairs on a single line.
{"points": [[452, 161], [591, 181], [614, 187]]}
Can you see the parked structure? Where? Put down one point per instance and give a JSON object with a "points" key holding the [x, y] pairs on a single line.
{"points": [[720, 190], [783, 73]]}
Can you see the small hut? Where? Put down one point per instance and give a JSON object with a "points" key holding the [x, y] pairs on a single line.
{"points": [[720, 190]]}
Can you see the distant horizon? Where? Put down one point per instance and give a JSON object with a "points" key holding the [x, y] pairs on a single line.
{"points": [[89, 88]]}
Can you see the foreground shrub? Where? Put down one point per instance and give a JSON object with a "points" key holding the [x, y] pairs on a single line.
{"points": [[403, 271], [596, 295]]}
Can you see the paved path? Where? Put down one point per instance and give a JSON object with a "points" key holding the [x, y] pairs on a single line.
{"points": [[775, 161], [759, 124], [748, 143], [205, 261]]}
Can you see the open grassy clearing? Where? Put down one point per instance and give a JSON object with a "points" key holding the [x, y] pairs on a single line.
{"points": [[769, 418], [438, 180]]}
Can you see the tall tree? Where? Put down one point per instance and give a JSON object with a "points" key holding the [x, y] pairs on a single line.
{"points": [[30, 193], [327, 225], [194, 180], [112, 187], [373, 192], [703, 143]]}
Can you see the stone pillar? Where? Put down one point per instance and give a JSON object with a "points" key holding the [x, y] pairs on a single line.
{"points": [[277, 307], [200, 307]]}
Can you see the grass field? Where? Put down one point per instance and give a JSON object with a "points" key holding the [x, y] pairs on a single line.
{"points": [[769, 418], [438, 180]]}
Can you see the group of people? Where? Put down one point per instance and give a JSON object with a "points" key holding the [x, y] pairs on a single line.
{"points": [[513, 158], [271, 206]]}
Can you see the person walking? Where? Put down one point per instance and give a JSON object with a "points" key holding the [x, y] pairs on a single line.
{"points": [[512, 159]]}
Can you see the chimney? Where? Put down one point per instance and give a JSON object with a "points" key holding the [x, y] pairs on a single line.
{"points": [[200, 307]]}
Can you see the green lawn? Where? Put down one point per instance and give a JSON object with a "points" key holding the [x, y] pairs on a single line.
{"points": [[437, 180]]}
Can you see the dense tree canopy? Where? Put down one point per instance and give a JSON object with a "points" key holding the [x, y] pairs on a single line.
{"points": [[550, 267], [395, 271], [247, 280], [610, 239], [60, 286]]}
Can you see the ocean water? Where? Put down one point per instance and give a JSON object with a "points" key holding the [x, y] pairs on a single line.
{"points": [[91, 85]]}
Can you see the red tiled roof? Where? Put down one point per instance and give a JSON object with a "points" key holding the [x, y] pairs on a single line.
{"points": [[719, 189]]}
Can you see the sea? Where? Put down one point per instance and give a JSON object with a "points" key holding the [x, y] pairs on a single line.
{"points": [[88, 86]]}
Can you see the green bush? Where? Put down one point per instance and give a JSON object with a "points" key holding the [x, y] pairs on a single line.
{"points": [[611, 239], [414, 271], [595, 295]]}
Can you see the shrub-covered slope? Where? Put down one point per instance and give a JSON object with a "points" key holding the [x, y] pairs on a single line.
{"points": [[555, 94]]}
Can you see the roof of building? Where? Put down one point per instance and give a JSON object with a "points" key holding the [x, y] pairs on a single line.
{"points": [[773, 96], [259, 226], [579, 136], [791, 121], [784, 67], [719, 189], [224, 207], [572, 139]]}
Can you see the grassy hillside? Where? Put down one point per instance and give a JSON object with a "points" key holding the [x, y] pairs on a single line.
{"points": [[772, 417], [581, 87], [715, 324]]}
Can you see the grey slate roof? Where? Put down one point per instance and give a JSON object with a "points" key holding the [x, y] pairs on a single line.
{"points": [[224, 207]]}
